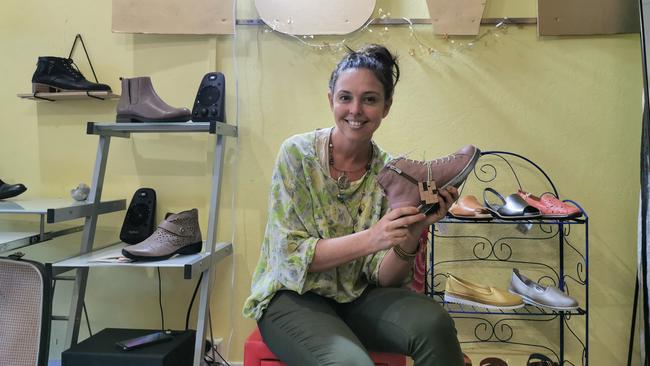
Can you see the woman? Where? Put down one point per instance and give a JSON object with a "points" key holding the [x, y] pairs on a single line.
{"points": [[325, 289]]}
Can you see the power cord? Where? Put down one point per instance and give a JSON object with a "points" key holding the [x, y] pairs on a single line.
{"points": [[162, 314], [211, 358], [189, 307], [90, 332]]}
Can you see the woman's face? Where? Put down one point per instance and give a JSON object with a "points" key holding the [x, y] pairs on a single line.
{"points": [[358, 104]]}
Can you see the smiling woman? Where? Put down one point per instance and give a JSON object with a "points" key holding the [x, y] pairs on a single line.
{"points": [[324, 289]]}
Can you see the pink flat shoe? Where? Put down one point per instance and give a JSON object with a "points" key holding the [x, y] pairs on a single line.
{"points": [[550, 206]]}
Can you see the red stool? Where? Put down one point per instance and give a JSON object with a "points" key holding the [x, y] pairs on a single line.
{"points": [[257, 354]]}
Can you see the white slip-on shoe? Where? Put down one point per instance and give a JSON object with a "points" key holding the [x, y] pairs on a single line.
{"points": [[544, 296]]}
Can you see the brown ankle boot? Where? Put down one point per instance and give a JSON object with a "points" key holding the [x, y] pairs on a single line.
{"points": [[140, 103], [176, 234], [400, 177]]}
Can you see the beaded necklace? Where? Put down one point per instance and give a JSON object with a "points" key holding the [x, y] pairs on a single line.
{"points": [[343, 181]]}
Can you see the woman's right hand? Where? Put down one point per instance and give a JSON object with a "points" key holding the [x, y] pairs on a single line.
{"points": [[393, 228]]}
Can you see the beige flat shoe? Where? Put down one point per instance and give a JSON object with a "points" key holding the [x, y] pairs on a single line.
{"points": [[463, 292]]}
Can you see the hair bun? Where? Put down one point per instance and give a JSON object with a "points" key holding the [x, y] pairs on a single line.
{"points": [[377, 51], [374, 57]]}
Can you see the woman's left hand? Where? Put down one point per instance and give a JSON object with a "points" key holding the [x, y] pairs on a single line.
{"points": [[447, 197], [394, 268]]}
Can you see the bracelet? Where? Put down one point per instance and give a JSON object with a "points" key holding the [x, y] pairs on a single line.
{"points": [[404, 255]]}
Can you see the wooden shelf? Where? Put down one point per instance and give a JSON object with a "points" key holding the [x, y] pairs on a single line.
{"points": [[69, 95]]}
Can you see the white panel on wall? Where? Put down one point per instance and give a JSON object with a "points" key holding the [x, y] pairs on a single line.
{"points": [[315, 17]]}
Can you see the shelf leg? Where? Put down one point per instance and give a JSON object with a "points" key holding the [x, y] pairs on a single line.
{"points": [[206, 285], [586, 360], [202, 317], [87, 241], [561, 286], [42, 228]]}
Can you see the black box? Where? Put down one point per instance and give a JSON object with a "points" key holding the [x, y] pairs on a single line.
{"points": [[100, 350]]}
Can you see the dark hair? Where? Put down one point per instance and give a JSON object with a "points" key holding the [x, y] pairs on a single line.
{"points": [[375, 58]]}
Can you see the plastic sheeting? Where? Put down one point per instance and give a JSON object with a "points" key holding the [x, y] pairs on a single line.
{"points": [[644, 217]]}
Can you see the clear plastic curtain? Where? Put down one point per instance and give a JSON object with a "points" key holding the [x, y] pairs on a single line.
{"points": [[644, 206]]}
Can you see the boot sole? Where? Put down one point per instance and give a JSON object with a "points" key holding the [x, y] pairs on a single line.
{"points": [[455, 181], [462, 301], [188, 249], [530, 301], [128, 118]]}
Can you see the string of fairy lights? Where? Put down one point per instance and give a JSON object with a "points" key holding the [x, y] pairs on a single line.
{"points": [[452, 45]]}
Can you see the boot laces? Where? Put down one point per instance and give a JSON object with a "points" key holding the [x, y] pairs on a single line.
{"points": [[420, 162], [444, 159], [73, 69], [441, 160], [430, 163]]}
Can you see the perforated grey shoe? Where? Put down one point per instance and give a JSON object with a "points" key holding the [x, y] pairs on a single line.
{"points": [[535, 294], [177, 234]]}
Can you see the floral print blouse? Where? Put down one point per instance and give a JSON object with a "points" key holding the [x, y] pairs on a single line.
{"points": [[303, 208]]}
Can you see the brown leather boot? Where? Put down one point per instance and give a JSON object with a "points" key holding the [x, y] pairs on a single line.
{"points": [[401, 179], [177, 234], [140, 103]]}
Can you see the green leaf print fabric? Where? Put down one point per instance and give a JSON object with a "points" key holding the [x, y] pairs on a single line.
{"points": [[303, 208]]}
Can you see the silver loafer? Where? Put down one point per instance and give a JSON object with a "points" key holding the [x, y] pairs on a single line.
{"points": [[535, 294]]}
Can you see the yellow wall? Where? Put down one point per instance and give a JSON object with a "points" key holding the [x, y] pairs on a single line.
{"points": [[571, 104]]}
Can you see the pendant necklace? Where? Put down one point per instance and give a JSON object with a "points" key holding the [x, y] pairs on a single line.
{"points": [[343, 181]]}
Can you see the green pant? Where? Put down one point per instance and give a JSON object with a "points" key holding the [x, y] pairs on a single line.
{"points": [[309, 329]]}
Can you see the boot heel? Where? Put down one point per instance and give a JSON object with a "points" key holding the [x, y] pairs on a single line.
{"points": [[42, 88], [191, 249], [124, 119]]}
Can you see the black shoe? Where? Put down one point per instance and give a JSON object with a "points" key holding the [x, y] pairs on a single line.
{"points": [[10, 190], [55, 74]]}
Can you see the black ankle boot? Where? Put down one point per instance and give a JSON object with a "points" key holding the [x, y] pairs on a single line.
{"points": [[55, 74], [10, 190]]}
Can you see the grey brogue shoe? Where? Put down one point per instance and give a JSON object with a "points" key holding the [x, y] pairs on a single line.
{"points": [[139, 102], [177, 234], [416, 183]]}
